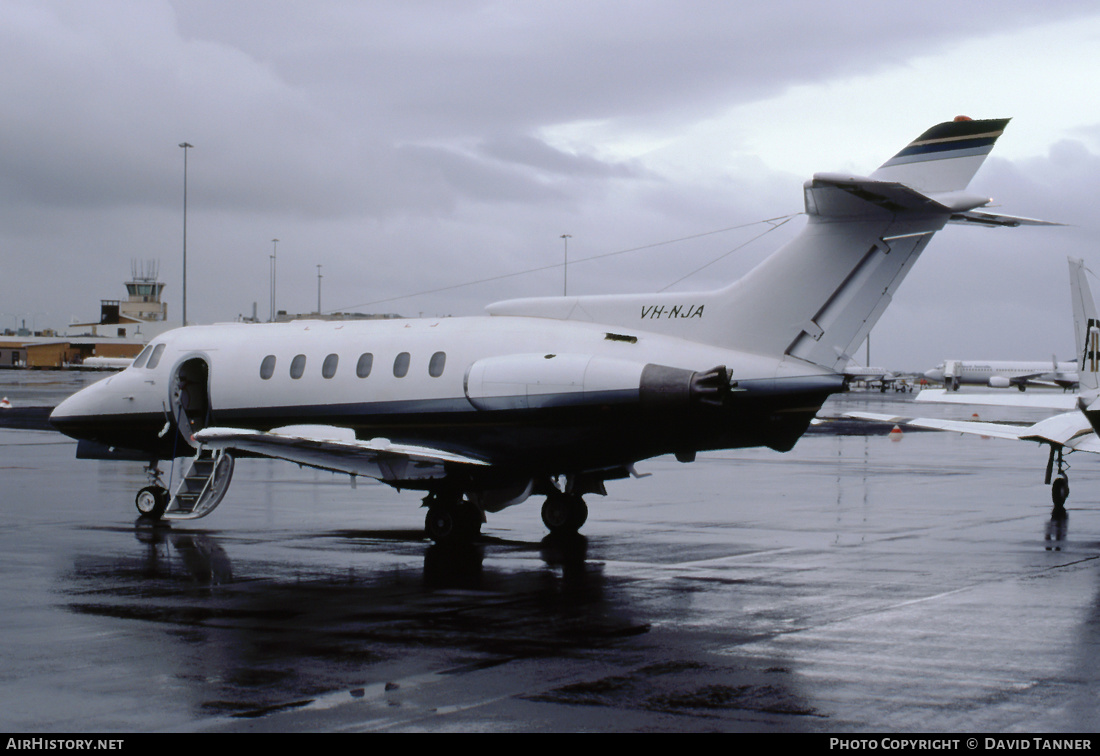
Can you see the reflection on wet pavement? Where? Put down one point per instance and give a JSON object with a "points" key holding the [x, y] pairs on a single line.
{"points": [[852, 584]]}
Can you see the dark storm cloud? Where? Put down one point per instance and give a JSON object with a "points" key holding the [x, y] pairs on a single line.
{"points": [[409, 146], [311, 108], [443, 68]]}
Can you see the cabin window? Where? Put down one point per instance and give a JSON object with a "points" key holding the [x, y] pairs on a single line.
{"points": [[154, 358], [297, 366], [437, 363], [401, 365], [328, 368], [141, 358], [362, 368], [267, 367]]}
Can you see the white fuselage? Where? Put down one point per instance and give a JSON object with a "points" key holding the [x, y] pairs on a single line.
{"points": [[1003, 373], [453, 383]]}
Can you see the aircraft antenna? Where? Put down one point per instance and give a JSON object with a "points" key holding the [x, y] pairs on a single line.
{"points": [[773, 222], [772, 226]]}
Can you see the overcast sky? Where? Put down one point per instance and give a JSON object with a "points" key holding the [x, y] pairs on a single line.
{"points": [[411, 147]]}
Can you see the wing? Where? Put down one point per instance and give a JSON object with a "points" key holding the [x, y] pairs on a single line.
{"points": [[1007, 399], [26, 418], [1069, 429], [332, 448]]}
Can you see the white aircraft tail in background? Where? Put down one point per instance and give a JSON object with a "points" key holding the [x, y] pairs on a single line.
{"points": [[1086, 328]]}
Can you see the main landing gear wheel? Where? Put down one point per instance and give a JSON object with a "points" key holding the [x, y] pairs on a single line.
{"points": [[1056, 476], [564, 514], [1059, 491], [457, 522], [151, 502]]}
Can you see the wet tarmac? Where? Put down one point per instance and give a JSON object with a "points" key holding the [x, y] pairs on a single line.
{"points": [[854, 584]]}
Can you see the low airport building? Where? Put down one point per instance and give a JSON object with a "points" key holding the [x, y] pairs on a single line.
{"points": [[60, 352], [122, 331]]}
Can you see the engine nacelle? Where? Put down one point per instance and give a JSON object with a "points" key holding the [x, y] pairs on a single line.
{"points": [[496, 499], [999, 381], [531, 381]]}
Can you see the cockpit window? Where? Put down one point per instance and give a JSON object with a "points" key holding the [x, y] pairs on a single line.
{"points": [[267, 367], [155, 357], [141, 358]]}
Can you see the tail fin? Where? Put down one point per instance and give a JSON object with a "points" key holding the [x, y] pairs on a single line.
{"points": [[944, 158], [1086, 328], [817, 297]]}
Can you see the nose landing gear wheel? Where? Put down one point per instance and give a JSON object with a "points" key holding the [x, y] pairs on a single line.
{"points": [[151, 502]]}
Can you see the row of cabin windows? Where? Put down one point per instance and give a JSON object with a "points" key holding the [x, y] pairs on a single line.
{"points": [[362, 367]]}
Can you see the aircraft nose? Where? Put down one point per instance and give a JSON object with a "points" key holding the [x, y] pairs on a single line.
{"points": [[64, 414], [78, 409]]}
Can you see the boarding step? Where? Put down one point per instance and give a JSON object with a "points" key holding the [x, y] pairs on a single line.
{"points": [[202, 485]]}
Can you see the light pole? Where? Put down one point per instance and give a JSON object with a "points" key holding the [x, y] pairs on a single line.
{"points": [[565, 266], [318, 289], [185, 147], [274, 252]]}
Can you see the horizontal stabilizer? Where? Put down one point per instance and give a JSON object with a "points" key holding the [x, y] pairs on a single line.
{"points": [[890, 196], [995, 219]]}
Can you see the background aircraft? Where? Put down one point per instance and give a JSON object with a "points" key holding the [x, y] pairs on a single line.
{"points": [[1075, 430], [1003, 374], [550, 396]]}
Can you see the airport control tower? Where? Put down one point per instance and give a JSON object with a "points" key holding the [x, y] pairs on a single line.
{"points": [[141, 315], [144, 293]]}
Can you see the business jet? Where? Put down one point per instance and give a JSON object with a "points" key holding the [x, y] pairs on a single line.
{"points": [[1004, 374], [548, 397], [1071, 431]]}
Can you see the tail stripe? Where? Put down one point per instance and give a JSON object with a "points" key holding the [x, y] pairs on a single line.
{"points": [[963, 145]]}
